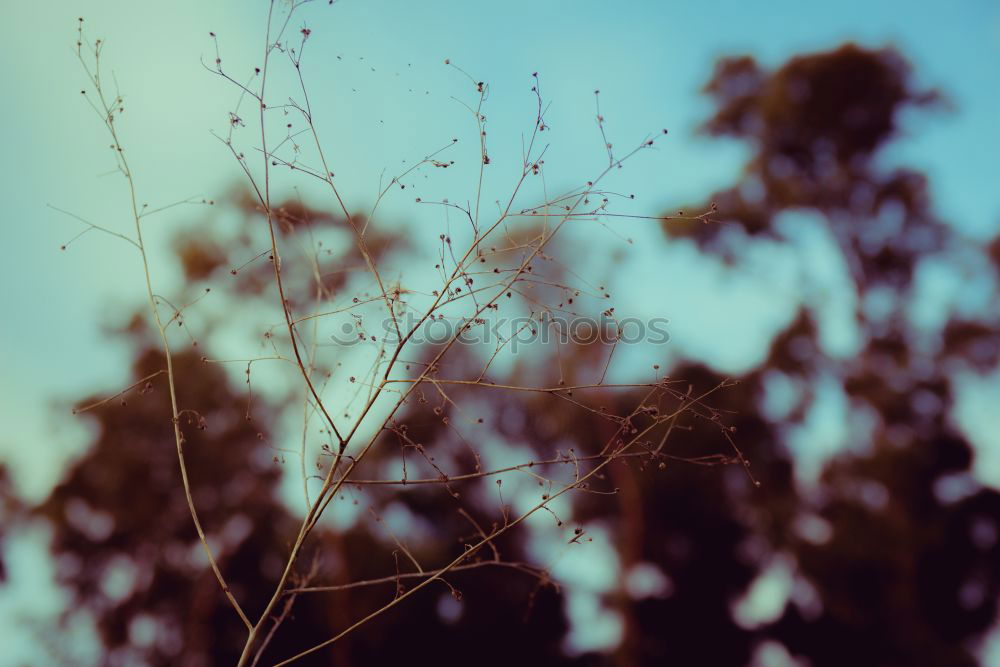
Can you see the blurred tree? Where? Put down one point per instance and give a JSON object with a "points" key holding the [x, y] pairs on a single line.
{"points": [[898, 570], [124, 542], [894, 550], [128, 554]]}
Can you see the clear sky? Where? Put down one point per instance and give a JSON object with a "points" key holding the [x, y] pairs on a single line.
{"points": [[389, 98], [648, 58]]}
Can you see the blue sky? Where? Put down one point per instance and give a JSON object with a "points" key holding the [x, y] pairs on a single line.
{"points": [[388, 97], [648, 58]]}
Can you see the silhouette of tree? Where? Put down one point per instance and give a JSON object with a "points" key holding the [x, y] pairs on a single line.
{"points": [[902, 573]]}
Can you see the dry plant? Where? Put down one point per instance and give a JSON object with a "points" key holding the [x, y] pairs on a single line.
{"points": [[498, 260]]}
